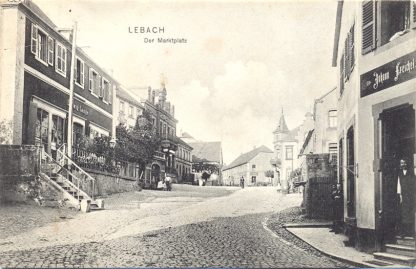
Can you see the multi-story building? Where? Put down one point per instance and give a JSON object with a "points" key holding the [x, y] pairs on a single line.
{"points": [[128, 107], [35, 64], [323, 137], [252, 166], [375, 54], [184, 161], [164, 122], [287, 144]]}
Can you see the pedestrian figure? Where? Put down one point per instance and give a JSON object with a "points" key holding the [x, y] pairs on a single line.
{"points": [[242, 182], [168, 183], [406, 189], [337, 204]]}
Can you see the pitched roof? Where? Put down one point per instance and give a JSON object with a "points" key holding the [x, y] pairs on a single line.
{"points": [[183, 143], [282, 126], [125, 95], [307, 140], [210, 151], [246, 157]]}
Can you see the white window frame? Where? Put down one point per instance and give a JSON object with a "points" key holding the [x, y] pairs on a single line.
{"points": [[38, 51], [51, 53], [82, 73], [91, 84], [59, 46]]}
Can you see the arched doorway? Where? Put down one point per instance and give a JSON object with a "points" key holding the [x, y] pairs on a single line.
{"points": [[155, 174]]}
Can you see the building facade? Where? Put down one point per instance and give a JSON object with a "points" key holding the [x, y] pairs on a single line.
{"points": [[35, 64], [127, 108], [252, 166], [184, 161], [375, 54], [164, 123], [287, 145]]}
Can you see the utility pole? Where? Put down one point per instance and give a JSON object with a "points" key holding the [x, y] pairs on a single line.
{"points": [[71, 90]]}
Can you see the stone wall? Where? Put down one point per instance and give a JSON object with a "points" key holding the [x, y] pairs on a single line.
{"points": [[19, 171], [106, 183]]}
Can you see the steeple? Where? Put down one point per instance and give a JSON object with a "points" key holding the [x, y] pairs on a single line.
{"points": [[282, 126]]}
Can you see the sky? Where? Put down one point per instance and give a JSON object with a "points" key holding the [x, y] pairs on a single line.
{"points": [[243, 61]]}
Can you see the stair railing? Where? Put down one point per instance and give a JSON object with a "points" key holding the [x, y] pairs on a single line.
{"points": [[49, 160], [63, 158]]}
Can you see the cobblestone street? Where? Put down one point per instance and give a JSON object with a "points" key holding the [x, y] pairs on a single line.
{"points": [[230, 238]]}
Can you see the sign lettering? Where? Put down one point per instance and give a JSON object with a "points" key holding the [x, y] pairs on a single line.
{"points": [[388, 75]]}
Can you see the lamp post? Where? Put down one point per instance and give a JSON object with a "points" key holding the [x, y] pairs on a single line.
{"points": [[71, 87]]}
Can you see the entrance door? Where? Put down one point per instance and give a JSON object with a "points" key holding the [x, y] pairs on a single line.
{"points": [[350, 173], [398, 141]]}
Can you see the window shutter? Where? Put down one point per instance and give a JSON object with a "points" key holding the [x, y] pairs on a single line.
{"points": [[351, 48], [64, 59], [50, 50], [90, 85], [34, 40], [341, 75], [81, 74], [369, 26], [413, 14], [347, 58]]}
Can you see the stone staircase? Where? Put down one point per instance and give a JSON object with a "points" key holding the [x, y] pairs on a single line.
{"points": [[68, 182], [400, 254]]}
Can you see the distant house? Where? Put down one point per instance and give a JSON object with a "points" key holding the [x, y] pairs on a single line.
{"points": [[287, 144], [206, 156], [252, 166]]}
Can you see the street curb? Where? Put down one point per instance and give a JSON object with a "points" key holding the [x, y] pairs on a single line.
{"points": [[355, 263], [307, 225]]}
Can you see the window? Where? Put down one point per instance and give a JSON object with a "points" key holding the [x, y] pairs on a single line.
{"points": [[41, 45], [332, 118], [79, 73], [253, 179], [58, 130], [395, 18], [253, 166], [50, 50], [60, 59], [333, 152], [94, 84], [131, 111], [77, 134], [278, 153], [349, 57], [121, 107], [105, 89], [42, 129], [289, 153]]}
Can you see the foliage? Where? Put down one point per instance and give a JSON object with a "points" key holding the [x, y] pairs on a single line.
{"points": [[136, 145], [269, 173], [6, 132]]}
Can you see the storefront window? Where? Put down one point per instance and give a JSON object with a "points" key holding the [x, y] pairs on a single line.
{"points": [[42, 128], [77, 134], [58, 130]]}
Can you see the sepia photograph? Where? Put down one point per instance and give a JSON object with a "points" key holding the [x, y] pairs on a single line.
{"points": [[207, 134]]}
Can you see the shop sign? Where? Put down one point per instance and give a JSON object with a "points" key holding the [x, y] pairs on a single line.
{"points": [[81, 109], [388, 75]]}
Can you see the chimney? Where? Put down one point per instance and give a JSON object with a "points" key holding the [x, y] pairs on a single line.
{"points": [[173, 110], [149, 93]]}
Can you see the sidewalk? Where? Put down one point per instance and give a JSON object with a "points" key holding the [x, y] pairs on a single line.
{"points": [[330, 244]]}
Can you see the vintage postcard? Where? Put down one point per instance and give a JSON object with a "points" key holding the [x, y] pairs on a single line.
{"points": [[207, 133]]}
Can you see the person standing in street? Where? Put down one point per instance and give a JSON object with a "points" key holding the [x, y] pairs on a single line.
{"points": [[242, 182], [406, 191], [168, 182]]}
